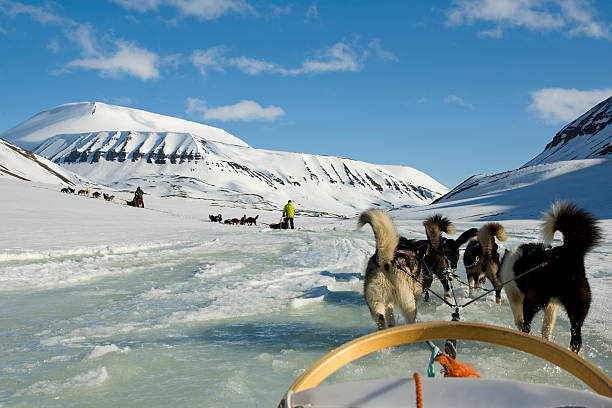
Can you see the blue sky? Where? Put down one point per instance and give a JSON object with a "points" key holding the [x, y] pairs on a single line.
{"points": [[450, 87]]}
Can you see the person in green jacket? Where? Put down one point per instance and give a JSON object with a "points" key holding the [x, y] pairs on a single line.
{"points": [[289, 213]]}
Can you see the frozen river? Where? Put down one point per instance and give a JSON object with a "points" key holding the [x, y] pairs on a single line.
{"points": [[230, 316]]}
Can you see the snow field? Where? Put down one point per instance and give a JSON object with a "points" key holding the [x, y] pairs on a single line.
{"points": [[189, 312]]}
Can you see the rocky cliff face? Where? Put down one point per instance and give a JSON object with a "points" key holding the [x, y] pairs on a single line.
{"points": [[589, 136]]}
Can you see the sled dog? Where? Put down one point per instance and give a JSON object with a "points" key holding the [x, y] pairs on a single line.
{"points": [[387, 279], [553, 275], [481, 259]]}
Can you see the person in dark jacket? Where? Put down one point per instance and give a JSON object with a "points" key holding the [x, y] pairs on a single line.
{"points": [[289, 213], [138, 194]]}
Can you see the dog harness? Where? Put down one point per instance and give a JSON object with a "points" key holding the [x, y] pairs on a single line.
{"points": [[472, 255]]}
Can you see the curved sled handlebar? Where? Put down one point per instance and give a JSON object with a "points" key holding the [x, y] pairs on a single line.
{"points": [[418, 332]]}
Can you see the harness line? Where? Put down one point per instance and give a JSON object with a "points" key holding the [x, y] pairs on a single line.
{"points": [[402, 265]]}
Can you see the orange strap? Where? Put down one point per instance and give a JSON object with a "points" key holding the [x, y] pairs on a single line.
{"points": [[419, 390]]}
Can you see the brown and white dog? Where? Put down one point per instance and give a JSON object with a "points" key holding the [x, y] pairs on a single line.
{"points": [[553, 275], [387, 279], [481, 259]]}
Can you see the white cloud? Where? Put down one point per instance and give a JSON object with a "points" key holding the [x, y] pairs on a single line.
{"points": [[340, 57], [206, 60], [492, 33], [575, 16], [122, 100], [202, 9], [458, 101], [115, 58], [141, 6], [38, 14], [85, 36], [54, 46], [244, 110], [379, 52], [583, 17], [196, 106], [127, 60], [313, 11], [254, 67], [280, 11], [558, 105]]}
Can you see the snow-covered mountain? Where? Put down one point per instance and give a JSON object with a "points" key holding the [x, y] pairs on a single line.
{"points": [[185, 161], [17, 163], [567, 169], [84, 117], [526, 192], [587, 137]]}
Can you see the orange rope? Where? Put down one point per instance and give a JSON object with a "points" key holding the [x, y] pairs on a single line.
{"points": [[419, 391], [453, 368]]}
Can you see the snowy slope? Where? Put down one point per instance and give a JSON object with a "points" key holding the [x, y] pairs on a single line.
{"points": [[589, 136], [83, 117], [526, 192], [122, 147], [186, 165], [20, 164]]}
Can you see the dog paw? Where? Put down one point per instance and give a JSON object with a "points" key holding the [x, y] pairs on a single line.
{"points": [[498, 301]]}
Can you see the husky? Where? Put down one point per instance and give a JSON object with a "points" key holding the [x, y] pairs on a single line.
{"points": [[387, 279], [434, 261], [251, 220], [283, 224], [215, 218], [559, 275], [449, 248], [481, 259]]}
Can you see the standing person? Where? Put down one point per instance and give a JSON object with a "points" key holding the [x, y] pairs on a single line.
{"points": [[289, 213], [138, 194]]}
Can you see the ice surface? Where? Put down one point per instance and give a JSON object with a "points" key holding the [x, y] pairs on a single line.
{"points": [[216, 315]]}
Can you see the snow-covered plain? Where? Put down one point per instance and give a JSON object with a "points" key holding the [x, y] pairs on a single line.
{"points": [[108, 305]]}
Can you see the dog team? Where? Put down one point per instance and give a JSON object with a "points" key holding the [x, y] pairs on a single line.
{"points": [[234, 221], [534, 276], [86, 192]]}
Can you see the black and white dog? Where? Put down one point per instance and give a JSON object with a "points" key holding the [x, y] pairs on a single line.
{"points": [[438, 254], [557, 274]]}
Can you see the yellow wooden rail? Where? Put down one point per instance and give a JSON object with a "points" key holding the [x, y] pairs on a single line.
{"points": [[418, 332]]}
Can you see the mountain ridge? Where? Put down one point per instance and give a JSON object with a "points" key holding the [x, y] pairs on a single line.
{"points": [[588, 136], [172, 157]]}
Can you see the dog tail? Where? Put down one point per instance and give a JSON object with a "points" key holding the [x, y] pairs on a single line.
{"points": [[487, 235], [579, 228], [257, 216], [466, 236], [384, 232], [435, 226]]}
